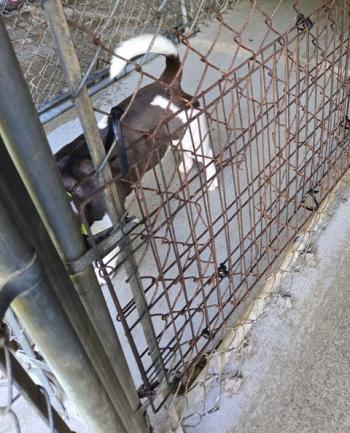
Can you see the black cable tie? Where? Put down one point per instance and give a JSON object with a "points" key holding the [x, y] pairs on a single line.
{"points": [[222, 271], [311, 192], [303, 23]]}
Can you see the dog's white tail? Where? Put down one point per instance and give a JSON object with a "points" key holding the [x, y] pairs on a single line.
{"points": [[138, 46]]}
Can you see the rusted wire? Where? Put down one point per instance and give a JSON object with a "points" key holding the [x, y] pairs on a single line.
{"points": [[277, 108]]}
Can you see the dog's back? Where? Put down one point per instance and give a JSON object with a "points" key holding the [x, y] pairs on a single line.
{"points": [[147, 133]]}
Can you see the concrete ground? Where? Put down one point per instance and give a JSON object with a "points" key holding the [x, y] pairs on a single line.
{"points": [[295, 365]]}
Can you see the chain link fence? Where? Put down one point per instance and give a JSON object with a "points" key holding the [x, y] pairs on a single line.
{"points": [[277, 109], [199, 393], [91, 23], [272, 80], [16, 383]]}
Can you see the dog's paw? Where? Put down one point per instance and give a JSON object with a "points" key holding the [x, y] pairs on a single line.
{"points": [[213, 184], [182, 169], [100, 279]]}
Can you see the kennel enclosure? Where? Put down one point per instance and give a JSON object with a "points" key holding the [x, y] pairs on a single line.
{"points": [[276, 103]]}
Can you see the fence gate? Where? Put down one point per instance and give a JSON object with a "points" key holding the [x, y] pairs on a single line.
{"points": [[270, 88]]}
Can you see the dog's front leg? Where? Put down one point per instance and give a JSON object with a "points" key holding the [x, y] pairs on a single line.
{"points": [[111, 259]]}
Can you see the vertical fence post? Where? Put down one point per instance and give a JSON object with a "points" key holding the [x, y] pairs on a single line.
{"points": [[70, 64], [184, 13], [26, 142], [48, 325], [16, 200]]}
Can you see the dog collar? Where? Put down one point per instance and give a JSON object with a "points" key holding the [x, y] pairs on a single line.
{"points": [[116, 112]]}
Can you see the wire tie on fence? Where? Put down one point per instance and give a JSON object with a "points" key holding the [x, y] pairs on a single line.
{"points": [[345, 123], [222, 271], [311, 192], [147, 389], [116, 114], [303, 23], [207, 334]]}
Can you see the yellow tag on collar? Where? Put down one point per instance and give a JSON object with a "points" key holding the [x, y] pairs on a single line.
{"points": [[83, 230]]}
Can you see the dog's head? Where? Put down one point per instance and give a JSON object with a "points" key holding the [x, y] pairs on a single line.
{"points": [[80, 178]]}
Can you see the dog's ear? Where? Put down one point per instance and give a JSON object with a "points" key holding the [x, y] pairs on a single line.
{"points": [[84, 168], [69, 181]]}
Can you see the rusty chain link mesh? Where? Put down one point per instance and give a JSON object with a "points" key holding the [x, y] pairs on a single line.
{"points": [[277, 111], [107, 20], [272, 81], [199, 392]]}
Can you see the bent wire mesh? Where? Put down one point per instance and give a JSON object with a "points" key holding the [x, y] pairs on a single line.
{"points": [[275, 109]]}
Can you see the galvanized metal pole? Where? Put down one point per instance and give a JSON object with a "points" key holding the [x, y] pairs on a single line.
{"points": [[26, 142], [70, 64], [24, 215], [45, 320]]}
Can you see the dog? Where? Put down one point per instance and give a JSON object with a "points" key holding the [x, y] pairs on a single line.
{"points": [[146, 131]]}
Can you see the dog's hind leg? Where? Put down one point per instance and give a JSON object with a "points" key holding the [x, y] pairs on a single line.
{"points": [[186, 157], [197, 139], [207, 153]]}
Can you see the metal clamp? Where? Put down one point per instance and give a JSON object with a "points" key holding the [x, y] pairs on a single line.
{"points": [[101, 244], [20, 281]]}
